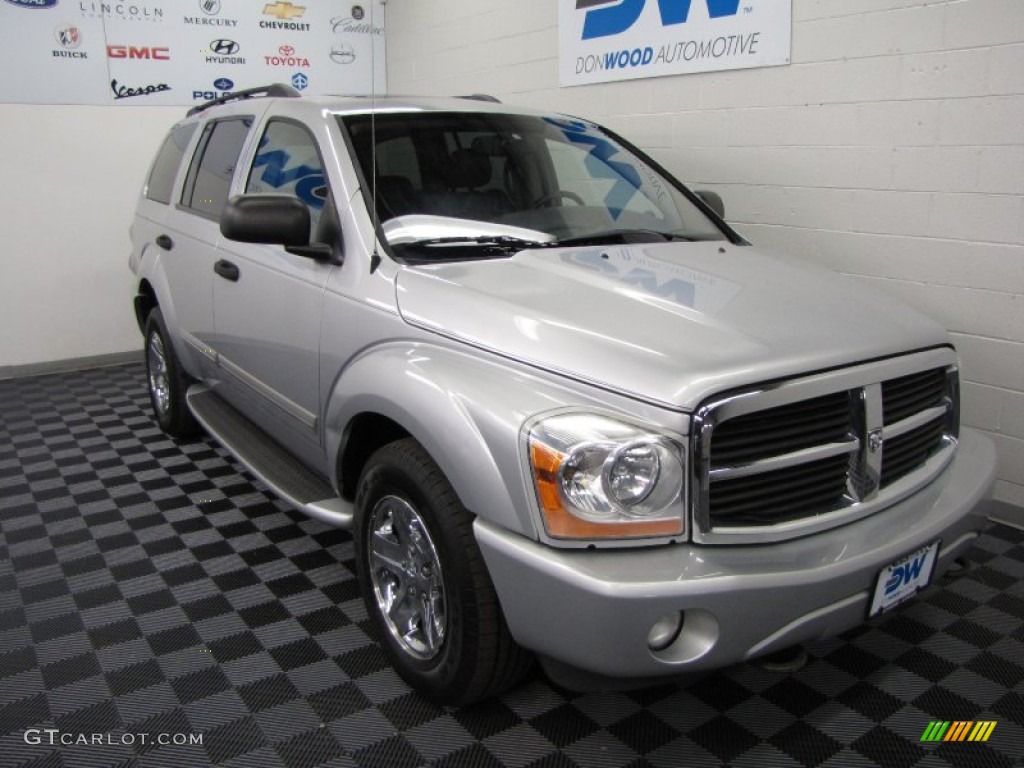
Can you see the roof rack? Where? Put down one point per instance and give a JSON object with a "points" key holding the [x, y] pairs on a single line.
{"points": [[274, 90], [481, 97]]}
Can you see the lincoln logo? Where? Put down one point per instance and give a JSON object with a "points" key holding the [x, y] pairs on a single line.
{"points": [[224, 47], [138, 52]]}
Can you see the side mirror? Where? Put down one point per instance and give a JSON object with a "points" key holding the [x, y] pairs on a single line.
{"points": [[272, 220], [713, 200]]}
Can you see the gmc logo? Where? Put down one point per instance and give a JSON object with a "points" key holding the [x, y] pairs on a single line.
{"points": [[614, 20], [140, 52]]}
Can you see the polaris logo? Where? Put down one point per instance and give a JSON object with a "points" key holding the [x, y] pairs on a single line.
{"points": [[138, 52], [613, 17]]}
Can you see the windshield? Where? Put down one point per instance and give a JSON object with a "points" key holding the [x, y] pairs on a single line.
{"points": [[472, 185]]}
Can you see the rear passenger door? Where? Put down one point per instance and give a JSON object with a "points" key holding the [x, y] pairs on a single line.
{"points": [[268, 317], [193, 230]]}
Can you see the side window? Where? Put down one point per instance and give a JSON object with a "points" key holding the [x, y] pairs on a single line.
{"points": [[165, 169], [209, 177], [288, 163]]}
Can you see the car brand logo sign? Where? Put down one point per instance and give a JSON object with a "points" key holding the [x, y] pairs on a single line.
{"points": [[358, 13], [68, 36], [34, 3], [223, 84], [209, 7], [300, 81], [138, 52], [284, 10], [342, 54], [224, 47], [286, 50]]}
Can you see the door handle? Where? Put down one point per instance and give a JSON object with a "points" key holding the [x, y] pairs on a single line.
{"points": [[164, 242], [227, 270]]}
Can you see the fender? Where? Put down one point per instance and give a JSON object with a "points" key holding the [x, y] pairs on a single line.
{"points": [[467, 412], [151, 270]]}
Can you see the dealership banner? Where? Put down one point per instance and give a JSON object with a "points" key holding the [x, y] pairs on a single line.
{"points": [[604, 40], [182, 52]]}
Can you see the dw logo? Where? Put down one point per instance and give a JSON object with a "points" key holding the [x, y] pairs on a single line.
{"points": [[620, 15], [904, 573]]}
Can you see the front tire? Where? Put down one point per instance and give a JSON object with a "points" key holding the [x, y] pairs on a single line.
{"points": [[425, 583], [167, 381]]}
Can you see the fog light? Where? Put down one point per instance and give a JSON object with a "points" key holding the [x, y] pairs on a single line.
{"points": [[664, 631]]}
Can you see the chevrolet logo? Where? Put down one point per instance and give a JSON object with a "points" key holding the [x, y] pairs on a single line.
{"points": [[285, 10]]}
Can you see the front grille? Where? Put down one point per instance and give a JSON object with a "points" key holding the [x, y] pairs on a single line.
{"points": [[911, 394], [793, 457], [909, 451], [794, 492], [782, 429]]}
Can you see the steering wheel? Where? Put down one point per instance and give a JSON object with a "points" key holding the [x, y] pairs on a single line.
{"points": [[548, 199]]}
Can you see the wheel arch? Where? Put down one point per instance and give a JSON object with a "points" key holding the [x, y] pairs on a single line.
{"points": [[462, 410]]}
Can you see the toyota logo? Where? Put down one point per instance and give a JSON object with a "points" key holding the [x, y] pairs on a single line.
{"points": [[287, 50], [224, 47]]}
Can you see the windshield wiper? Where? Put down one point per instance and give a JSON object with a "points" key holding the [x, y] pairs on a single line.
{"points": [[467, 247], [627, 237], [501, 241]]}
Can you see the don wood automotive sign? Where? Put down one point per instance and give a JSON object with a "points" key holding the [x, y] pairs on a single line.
{"points": [[603, 40]]}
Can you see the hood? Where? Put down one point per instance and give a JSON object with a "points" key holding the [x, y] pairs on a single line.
{"points": [[671, 323]]}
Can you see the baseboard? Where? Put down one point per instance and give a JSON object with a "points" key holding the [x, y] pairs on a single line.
{"points": [[72, 364], [1008, 514]]}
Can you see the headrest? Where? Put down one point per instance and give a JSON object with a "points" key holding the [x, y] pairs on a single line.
{"points": [[468, 169], [492, 146]]}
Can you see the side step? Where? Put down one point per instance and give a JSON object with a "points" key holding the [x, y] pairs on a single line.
{"points": [[286, 476]]}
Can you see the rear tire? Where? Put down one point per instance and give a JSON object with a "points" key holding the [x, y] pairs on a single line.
{"points": [[167, 381], [425, 583]]}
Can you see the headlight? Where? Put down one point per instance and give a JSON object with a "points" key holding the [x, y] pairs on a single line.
{"points": [[600, 478]]}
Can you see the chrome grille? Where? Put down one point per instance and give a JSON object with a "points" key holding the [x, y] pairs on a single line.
{"points": [[803, 455]]}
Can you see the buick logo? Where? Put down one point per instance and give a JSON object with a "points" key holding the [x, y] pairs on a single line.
{"points": [[68, 36], [224, 47], [358, 13], [342, 54], [209, 7]]}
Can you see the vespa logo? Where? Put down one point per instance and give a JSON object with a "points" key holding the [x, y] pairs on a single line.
{"points": [[905, 573], [613, 17]]}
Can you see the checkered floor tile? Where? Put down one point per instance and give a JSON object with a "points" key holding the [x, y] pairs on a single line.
{"points": [[152, 590]]}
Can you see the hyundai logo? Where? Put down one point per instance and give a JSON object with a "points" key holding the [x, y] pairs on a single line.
{"points": [[223, 84], [224, 47]]}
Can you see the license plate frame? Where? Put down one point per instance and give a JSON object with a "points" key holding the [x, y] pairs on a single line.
{"points": [[902, 579]]}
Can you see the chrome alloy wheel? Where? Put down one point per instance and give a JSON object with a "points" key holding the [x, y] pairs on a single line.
{"points": [[159, 377], [406, 575]]}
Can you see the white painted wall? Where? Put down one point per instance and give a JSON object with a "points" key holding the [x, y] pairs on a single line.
{"points": [[891, 149], [71, 177]]}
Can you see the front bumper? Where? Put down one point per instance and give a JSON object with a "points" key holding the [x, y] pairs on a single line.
{"points": [[592, 610]]}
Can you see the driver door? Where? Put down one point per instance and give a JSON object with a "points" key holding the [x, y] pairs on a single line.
{"points": [[267, 305]]}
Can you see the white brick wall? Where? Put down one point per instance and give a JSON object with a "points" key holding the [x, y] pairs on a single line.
{"points": [[891, 149]]}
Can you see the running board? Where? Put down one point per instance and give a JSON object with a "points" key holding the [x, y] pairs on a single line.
{"points": [[286, 476]]}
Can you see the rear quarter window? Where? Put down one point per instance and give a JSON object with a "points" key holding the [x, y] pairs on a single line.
{"points": [[168, 160]]}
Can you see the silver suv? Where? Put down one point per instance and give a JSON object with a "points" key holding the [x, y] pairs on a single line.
{"points": [[566, 410]]}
